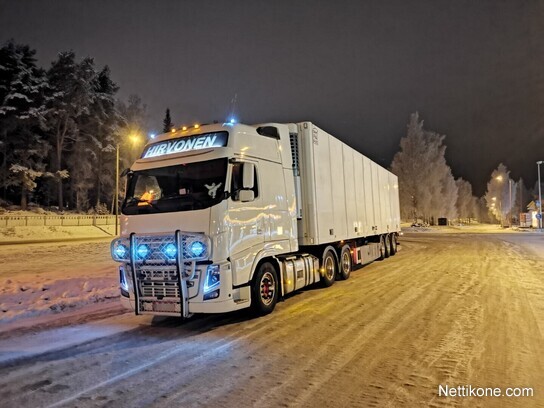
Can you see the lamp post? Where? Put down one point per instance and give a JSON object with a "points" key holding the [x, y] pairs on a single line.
{"points": [[499, 179], [134, 138], [510, 199], [116, 198], [538, 163]]}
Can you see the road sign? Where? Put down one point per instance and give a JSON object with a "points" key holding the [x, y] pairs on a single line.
{"points": [[538, 216]]}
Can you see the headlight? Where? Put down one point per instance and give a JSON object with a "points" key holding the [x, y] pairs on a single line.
{"points": [[213, 278], [119, 250]]}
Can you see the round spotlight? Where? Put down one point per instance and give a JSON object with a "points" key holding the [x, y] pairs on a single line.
{"points": [[170, 251], [197, 248], [121, 251], [142, 251]]}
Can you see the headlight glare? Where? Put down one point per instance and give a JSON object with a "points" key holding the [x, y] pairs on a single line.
{"points": [[142, 251], [198, 248], [170, 251]]}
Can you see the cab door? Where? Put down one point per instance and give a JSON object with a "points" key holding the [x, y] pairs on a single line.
{"points": [[245, 221]]}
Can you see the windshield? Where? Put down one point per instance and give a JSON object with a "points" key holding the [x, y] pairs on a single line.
{"points": [[184, 187]]}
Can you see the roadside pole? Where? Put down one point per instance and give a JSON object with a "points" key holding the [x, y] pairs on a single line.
{"points": [[538, 163]]}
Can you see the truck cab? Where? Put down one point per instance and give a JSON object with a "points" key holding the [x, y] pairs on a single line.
{"points": [[203, 207]]}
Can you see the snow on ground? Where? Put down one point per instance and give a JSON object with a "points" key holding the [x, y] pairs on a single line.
{"points": [[448, 310], [39, 279], [467, 229], [35, 234], [16, 234]]}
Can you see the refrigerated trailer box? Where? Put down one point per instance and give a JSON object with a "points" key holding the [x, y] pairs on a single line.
{"points": [[222, 217]]}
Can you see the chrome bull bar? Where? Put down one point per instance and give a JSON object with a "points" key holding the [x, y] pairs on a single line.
{"points": [[182, 258]]}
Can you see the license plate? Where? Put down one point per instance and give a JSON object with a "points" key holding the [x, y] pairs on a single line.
{"points": [[165, 307]]}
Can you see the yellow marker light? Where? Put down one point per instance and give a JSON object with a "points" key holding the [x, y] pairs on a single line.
{"points": [[197, 126], [173, 130], [184, 128]]}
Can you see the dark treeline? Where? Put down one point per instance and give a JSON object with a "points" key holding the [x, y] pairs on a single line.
{"points": [[59, 131]]}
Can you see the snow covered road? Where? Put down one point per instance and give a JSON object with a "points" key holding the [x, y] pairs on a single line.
{"points": [[449, 309]]}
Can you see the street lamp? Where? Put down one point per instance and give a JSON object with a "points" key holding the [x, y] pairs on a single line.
{"points": [[134, 138], [538, 163]]}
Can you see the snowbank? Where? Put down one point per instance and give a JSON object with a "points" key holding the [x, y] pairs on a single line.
{"points": [[49, 233], [41, 279]]}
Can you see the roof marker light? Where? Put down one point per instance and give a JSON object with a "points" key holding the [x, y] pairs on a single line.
{"points": [[197, 126], [173, 130], [184, 128], [152, 135]]}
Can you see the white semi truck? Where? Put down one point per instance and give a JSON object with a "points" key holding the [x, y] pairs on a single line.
{"points": [[223, 217]]}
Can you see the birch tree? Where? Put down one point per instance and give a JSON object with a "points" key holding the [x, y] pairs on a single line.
{"points": [[427, 188]]}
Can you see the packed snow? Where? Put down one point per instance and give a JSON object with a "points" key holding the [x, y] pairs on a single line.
{"points": [[449, 309], [38, 279]]}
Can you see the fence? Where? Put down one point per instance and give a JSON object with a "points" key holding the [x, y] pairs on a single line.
{"points": [[55, 220]]}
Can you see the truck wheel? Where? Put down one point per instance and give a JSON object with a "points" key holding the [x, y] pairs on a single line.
{"points": [[393, 246], [265, 289], [328, 268], [345, 262], [384, 247]]}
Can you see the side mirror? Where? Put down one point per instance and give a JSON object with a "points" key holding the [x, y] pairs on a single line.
{"points": [[125, 172], [246, 195], [248, 175]]}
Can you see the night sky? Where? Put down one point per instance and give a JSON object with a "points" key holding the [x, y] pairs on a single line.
{"points": [[473, 69]]}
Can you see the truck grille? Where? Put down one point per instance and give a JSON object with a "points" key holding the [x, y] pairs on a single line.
{"points": [[160, 290]]}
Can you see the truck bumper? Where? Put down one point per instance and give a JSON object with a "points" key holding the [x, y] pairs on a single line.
{"points": [[228, 299]]}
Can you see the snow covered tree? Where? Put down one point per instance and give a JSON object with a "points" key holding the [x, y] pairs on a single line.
{"points": [[465, 200], [70, 97], [98, 131], [167, 122], [131, 135], [23, 151], [427, 187], [501, 193]]}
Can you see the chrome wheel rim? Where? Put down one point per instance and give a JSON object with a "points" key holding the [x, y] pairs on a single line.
{"points": [[346, 262], [268, 288], [329, 267]]}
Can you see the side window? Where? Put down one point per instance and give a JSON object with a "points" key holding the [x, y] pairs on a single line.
{"points": [[236, 181]]}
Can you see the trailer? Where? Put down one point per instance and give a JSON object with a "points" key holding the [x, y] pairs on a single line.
{"points": [[218, 218]]}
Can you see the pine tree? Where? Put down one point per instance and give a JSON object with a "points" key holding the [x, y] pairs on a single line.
{"points": [[131, 135], [70, 98], [23, 151], [167, 122], [100, 129]]}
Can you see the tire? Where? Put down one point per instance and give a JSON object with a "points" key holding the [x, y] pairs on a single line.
{"points": [[346, 263], [329, 268], [393, 244], [384, 250], [265, 289]]}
